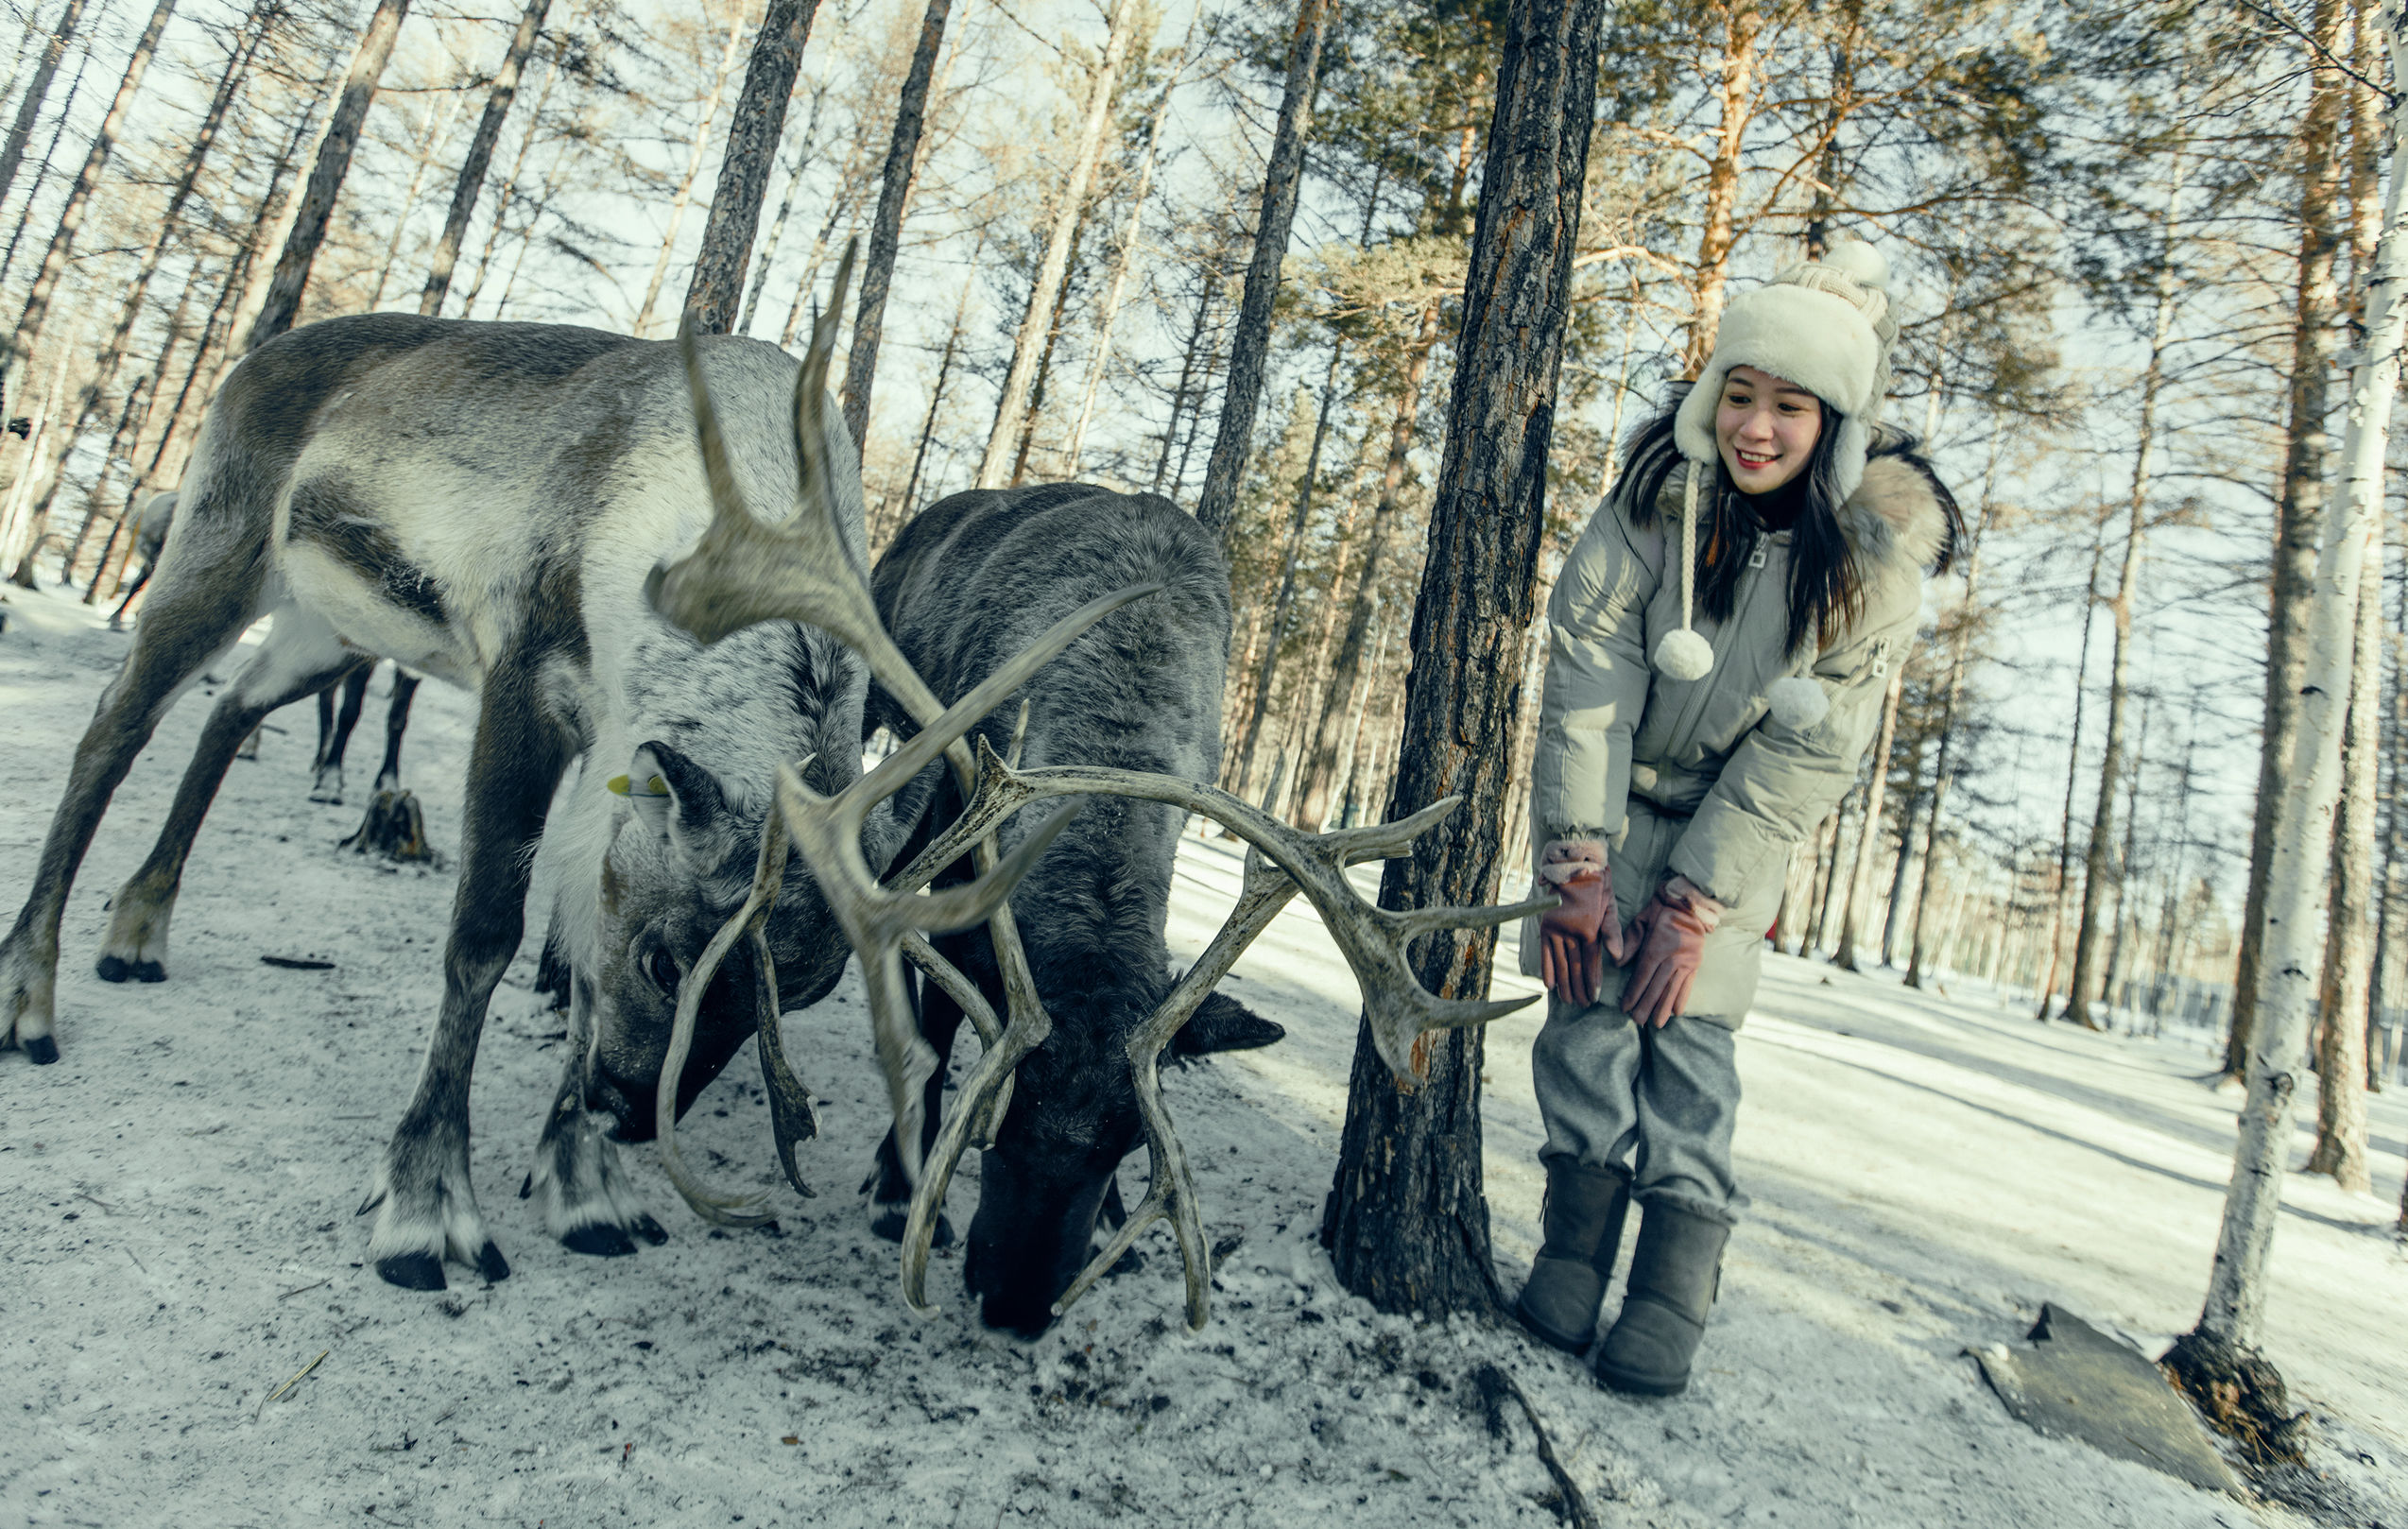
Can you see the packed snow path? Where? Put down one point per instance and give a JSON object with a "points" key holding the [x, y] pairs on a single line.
{"points": [[176, 1241]]}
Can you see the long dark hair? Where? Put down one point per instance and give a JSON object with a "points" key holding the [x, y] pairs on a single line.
{"points": [[1825, 588]]}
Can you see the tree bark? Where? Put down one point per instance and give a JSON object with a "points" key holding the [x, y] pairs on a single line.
{"points": [[2095, 871], [886, 225], [1069, 211], [2073, 776], [692, 171], [1869, 841], [1735, 94], [2300, 516], [2341, 1041], [1406, 1222], [438, 127], [2391, 922], [470, 183], [1904, 866], [50, 156], [716, 290], [12, 152], [1916, 969], [283, 304], [2231, 1320], [944, 373], [27, 335], [1251, 345]]}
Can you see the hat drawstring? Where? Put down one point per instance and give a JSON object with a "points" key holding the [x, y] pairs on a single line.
{"points": [[1682, 654]]}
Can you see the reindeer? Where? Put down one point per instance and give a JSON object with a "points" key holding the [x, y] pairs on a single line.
{"points": [[151, 523], [335, 732], [1050, 1154], [484, 502], [962, 589]]}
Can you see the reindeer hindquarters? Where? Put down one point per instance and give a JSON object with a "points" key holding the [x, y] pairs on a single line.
{"points": [[428, 1205], [205, 602], [300, 656]]}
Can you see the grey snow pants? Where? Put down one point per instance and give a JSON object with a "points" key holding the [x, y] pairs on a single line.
{"points": [[1656, 1104]]}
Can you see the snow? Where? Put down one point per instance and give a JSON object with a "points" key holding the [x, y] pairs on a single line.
{"points": [[176, 1243]]}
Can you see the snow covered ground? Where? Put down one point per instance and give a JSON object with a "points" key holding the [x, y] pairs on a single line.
{"points": [[176, 1241]]}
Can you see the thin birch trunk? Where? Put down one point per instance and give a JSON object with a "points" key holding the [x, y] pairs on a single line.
{"points": [[2341, 1045], [716, 285], [1734, 97], [430, 140], [12, 152], [693, 170], [1069, 213], [2073, 776], [1950, 699], [2232, 1319], [1250, 344], [20, 344], [944, 373], [470, 183], [1868, 842]]}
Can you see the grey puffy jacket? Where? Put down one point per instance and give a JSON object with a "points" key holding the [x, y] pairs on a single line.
{"points": [[1695, 776]]}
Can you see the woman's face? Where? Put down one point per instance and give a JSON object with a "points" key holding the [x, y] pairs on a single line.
{"points": [[1765, 428]]}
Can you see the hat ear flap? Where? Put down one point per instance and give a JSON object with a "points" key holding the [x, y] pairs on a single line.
{"points": [[1693, 427]]}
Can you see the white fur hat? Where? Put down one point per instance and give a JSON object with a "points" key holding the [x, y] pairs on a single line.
{"points": [[1824, 325]]}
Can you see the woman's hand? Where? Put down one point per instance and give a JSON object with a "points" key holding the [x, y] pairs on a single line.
{"points": [[1667, 941], [1577, 935]]}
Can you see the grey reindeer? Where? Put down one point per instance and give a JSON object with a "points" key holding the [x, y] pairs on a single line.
{"points": [[967, 584], [484, 502]]}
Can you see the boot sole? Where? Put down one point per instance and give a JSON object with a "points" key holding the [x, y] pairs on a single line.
{"points": [[1632, 1384], [1550, 1336]]}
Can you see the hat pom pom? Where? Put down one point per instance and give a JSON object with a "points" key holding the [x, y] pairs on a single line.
{"points": [[1681, 654], [1860, 262], [1798, 702]]}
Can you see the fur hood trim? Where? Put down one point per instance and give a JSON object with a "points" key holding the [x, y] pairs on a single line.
{"points": [[1894, 517]]}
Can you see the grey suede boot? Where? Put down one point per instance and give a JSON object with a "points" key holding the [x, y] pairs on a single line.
{"points": [[1582, 1223], [1676, 1271]]}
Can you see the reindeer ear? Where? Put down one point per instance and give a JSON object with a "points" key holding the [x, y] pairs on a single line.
{"points": [[1223, 1024], [677, 799]]}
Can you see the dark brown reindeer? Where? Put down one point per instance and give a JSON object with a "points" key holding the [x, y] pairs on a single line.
{"points": [[484, 502], [1056, 1145]]}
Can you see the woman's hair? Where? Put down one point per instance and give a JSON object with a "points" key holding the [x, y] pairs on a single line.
{"points": [[1825, 588]]}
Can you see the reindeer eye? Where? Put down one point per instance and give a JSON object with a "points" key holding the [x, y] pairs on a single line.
{"points": [[661, 969]]}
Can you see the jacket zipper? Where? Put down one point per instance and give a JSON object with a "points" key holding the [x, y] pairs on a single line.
{"points": [[1681, 740]]}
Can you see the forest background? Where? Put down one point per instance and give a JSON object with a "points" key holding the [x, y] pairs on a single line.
{"points": [[2128, 244]]}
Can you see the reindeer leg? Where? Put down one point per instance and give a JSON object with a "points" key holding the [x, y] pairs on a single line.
{"points": [[425, 1204], [300, 655], [397, 719], [335, 733], [199, 609], [589, 1201]]}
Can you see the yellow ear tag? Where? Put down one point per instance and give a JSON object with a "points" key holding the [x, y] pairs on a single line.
{"points": [[619, 785]]}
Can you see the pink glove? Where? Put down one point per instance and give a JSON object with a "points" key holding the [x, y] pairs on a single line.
{"points": [[1577, 935], [1668, 940]]}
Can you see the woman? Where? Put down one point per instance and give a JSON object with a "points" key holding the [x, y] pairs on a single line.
{"points": [[1721, 640]]}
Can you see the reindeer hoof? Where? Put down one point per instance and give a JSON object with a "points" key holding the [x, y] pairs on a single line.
{"points": [[41, 1049], [412, 1271], [891, 1220], [601, 1239], [490, 1266], [117, 968], [649, 1229]]}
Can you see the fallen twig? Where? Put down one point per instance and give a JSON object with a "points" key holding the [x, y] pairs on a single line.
{"points": [[300, 1289], [1490, 1379], [304, 1375]]}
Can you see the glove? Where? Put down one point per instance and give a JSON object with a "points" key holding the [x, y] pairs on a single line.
{"points": [[1667, 941], [1577, 935]]}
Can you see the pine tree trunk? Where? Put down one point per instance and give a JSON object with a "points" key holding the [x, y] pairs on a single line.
{"points": [[936, 393], [2231, 1320], [1735, 94], [27, 335], [1902, 868], [886, 225], [1070, 209], [12, 152], [2095, 873], [2341, 1046], [716, 290], [1284, 602], [2391, 922], [1250, 347], [317, 205], [2073, 776], [684, 197], [50, 156], [1951, 697], [2300, 515], [1210, 279], [471, 184], [1406, 1222], [1319, 777], [1868, 842]]}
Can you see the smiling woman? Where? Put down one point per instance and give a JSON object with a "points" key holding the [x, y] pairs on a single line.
{"points": [[1719, 647]]}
